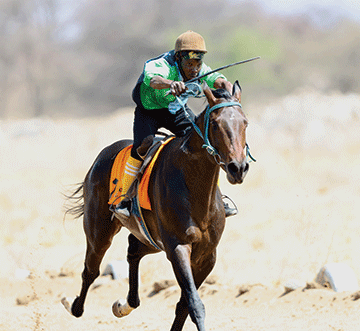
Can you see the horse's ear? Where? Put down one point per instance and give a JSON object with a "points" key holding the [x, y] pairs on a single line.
{"points": [[209, 96], [236, 92]]}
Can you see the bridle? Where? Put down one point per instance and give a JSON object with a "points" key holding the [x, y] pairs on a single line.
{"points": [[205, 137], [207, 145]]}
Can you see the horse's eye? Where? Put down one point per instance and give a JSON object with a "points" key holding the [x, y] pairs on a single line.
{"points": [[215, 125]]}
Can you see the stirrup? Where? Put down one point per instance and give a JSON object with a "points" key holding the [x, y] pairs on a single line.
{"points": [[123, 208], [229, 211]]}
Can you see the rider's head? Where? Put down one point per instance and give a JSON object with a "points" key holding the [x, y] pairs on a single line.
{"points": [[189, 51]]}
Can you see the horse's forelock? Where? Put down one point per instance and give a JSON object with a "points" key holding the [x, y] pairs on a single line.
{"points": [[221, 93]]}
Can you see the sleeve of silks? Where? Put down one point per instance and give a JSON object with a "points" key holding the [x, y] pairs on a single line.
{"points": [[209, 79], [154, 68]]}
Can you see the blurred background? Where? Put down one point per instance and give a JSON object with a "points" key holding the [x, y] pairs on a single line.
{"points": [[82, 58], [67, 69]]}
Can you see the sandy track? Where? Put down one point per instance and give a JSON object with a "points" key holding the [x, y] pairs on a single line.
{"points": [[37, 307], [299, 209]]}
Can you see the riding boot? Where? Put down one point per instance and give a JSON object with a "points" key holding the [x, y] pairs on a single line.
{"points": [[131, 169]]}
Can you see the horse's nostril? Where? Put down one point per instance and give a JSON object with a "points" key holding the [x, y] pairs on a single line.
{"points": [[234, 167]]}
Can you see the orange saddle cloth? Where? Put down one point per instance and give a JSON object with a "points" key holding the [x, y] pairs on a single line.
{"points": [[117, 173]]}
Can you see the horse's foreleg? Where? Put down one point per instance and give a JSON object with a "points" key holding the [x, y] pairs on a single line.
{"points": [[136, 251], [190, 300], [199, 273], [181, 313]]}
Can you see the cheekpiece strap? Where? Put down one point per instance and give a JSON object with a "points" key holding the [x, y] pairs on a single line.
{"points": [[210, 149]]}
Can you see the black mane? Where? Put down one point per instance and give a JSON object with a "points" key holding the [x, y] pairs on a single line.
{"points": [[221, 93]]}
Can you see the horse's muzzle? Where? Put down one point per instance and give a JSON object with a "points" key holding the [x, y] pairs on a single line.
{"points": [[236, 171]]}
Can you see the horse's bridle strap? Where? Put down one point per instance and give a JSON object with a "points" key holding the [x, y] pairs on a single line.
{"points": [[210, 149]]}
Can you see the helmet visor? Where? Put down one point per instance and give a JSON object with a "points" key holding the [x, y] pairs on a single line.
{"points": [[192, 55]]}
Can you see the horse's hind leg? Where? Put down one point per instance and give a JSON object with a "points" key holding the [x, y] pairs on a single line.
{"points": [[136, 251], [91, 271], [99, 235]]}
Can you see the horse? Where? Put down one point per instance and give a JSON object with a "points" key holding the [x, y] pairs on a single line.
{"points": [[187, 217]]}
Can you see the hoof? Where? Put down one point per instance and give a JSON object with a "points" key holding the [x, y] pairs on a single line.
{"points": [[121, 309], [70, 306], [67, 302]]}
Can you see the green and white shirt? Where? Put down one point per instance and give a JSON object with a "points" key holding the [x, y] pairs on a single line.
{"points": [[166, 67]]}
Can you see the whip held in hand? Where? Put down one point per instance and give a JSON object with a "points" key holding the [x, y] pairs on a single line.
{"points": [[216, 70], [221, 68]]}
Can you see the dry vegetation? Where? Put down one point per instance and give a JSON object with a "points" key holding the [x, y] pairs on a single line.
{"points": [[64, 58]]}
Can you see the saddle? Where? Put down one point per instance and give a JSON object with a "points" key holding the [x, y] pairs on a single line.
{"points": [[138, 191]]}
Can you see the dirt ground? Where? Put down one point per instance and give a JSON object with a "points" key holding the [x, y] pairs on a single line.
{"points": [[299, 209]]}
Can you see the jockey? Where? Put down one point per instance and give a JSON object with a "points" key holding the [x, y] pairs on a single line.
{"points": [[154, 105]]}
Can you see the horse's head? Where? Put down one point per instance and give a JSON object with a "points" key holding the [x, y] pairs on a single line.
{"points": [[227, 131]]}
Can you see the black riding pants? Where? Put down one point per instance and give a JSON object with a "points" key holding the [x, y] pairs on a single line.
{"points": [[148, 121]]}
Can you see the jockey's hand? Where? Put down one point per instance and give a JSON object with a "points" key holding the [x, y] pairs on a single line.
{"points": [[177, 88]]}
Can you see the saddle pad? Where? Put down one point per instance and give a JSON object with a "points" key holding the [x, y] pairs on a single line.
{"points": [[144, 183], [118, 170]]}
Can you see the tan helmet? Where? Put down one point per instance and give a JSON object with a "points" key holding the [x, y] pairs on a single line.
{"points": [[190, 41]]}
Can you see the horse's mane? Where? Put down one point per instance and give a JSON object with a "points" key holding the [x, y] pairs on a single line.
{"points": [[221, 93]]}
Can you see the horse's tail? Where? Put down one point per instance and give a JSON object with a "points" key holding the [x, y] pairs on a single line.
{"points": [[76, 205]]}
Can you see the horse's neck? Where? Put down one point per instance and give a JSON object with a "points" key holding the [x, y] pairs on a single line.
{"points": [[203, 173]]}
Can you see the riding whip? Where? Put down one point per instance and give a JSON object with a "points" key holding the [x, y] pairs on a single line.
{"points": [[218, 69], [221, 68]]}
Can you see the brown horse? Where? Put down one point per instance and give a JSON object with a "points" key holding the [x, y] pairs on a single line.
{"points": [[187, 217]]}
